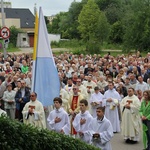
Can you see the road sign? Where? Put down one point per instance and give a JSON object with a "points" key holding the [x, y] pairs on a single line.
{"points": [[6, 41], [5, 33]]}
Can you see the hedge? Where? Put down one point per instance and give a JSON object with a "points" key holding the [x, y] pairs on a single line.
{"points": [[18, 136]]}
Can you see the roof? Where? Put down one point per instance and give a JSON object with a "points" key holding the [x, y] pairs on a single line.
{"points": [[27, 19]]}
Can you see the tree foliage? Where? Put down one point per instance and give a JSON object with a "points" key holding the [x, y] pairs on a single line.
{"points": [[72, 19], [116, 34], [88, 20], [103, 28], [13, 35], [137, 31], [124, 22]]}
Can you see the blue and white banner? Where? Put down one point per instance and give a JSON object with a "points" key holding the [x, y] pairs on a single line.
{"points": [[45, 80]]}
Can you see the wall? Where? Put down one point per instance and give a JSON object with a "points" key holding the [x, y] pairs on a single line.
{"points": [[54, 37]]}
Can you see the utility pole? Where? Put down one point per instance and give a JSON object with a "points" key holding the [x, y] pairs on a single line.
{"points": [[35, 9], [3, 24]]}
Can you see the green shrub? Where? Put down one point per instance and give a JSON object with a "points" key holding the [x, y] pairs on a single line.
{"points": [[17, 136], [93, 47]]}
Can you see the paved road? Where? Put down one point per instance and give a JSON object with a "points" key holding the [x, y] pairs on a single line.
{"points": [[30, 50], [118, 143]]}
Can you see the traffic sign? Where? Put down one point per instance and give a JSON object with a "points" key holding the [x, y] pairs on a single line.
{"points": [[5, 33], [6, 41]]}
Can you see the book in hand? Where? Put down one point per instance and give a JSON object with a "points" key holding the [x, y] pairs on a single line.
{"points": [[129, 101], [96, 136], [31, 107], [95, 103], [89, 87]]}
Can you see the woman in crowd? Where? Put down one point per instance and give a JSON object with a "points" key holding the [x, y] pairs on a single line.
{"points": [[145, 116]]}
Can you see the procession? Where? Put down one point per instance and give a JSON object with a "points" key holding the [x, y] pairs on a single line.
{"points": [[101, 100], [113, 92]]}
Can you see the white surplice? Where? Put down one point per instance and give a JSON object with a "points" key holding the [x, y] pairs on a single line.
{"points": [[111, 110], [105, 130], [97, 98], [84, 128], [64, 124]]}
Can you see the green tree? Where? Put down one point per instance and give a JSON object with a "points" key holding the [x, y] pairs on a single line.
{"points": [[55, 26], [69, 23], [104, 4], [117, 32], [112, 8], [137, 31], [13, 35], [72, 19], [103, 28], [46, 20], [88, 20]]}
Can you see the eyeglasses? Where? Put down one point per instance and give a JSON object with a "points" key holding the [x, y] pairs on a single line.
{"points": [[74, 89]]}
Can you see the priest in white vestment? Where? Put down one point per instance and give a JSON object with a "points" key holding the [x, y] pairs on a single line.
{"points": [[82, 122], [58, 119], [82, 89], [33, 112], [74, 108], [96, 100], [65, 99], [112, 99], [90, 85], [131, 122], [101, 130]]}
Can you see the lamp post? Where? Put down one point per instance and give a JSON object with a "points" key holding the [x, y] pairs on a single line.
{"points": [[3, 24]]}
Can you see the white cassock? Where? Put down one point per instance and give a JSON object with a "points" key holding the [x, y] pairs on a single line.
{"points": [[111, 110], [65, 99], [37, 119], [84, 128], [131, 122], [89, 85], [64, 124], [105, 130], [98, 100]]}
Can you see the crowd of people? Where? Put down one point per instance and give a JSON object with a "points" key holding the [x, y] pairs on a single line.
{"points": [[99, 96]]}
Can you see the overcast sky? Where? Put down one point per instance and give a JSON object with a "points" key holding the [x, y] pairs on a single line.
{"points": [[49, 7]]}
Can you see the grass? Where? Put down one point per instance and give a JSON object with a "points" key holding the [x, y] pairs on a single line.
{"points": [[78, 47], [14, 49], [11, 49]]}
